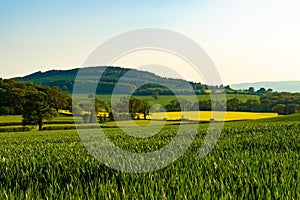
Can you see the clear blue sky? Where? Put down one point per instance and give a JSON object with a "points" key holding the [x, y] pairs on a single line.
{"points": [[248, 40]]}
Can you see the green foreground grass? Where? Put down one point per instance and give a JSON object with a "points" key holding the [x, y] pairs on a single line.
{"points": [[256, 159]]}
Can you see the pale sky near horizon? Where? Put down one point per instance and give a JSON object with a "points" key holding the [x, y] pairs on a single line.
{"points": [[248, 41]]}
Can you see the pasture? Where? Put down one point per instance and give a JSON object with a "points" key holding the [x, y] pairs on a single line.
{"points": [[257, 159], [165, 99]]}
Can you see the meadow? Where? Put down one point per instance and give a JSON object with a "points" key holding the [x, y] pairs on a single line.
{"points": [[165, 99], [257, 159]]}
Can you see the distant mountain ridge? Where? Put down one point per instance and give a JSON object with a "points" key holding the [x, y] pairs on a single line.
{"points": [[279, 86]]}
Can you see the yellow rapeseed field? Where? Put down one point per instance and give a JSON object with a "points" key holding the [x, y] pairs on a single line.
{"points": [[208, 115], [200, 115]]}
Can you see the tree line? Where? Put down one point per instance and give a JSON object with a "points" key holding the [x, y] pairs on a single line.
{"points": [[279, 102], [126, 109], [36, 103]]}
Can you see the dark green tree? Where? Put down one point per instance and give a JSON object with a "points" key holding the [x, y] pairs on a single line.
{"points": [[261, 91], [155, 95], [37, 109], [205, 105], [59, 99], [252, 105], [16, 98], [279, 108], [251, 90], [292, 108], [180, 104], [144, 108], [134, 107], [233, 104], [269, 91], [174, 105]]}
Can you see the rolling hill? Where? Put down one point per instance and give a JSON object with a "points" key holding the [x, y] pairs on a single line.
{"points": [[110, 76]]}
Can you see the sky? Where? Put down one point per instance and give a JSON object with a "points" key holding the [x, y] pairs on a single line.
{"points": [[248, 41]]}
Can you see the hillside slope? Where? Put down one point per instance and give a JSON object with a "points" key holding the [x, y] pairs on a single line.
{"points": [[65, 80]]}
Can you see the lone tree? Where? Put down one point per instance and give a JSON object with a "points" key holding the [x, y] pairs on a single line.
{"points": [[37, 108], [144, 108], [99, 106], [155, 95]]}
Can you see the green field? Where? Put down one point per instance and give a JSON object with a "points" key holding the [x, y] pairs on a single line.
{"points": [[18, 118], [257, 159], [11, 118], [165, 99]]}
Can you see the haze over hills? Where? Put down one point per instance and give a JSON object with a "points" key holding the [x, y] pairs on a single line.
{"points": [[279, 86]]}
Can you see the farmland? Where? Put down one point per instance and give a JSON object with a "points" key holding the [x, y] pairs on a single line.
{"points": [[257, 159], [165, 99], [208, 115], [203, 116]]}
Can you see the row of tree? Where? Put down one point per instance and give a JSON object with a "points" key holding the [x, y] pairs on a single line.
{"points": [[249, 91], [282, 103], [127, 108]]}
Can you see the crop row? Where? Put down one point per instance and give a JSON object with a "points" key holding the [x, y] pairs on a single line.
{"points": [[252, 160]]}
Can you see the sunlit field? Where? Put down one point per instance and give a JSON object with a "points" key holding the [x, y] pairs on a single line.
{"points": [[208, 115], [11, 118], [188, 115], [255, 159], [165, 99]]}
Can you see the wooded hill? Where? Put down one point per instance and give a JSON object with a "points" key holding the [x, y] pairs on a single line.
{"points": [[65, 80]]}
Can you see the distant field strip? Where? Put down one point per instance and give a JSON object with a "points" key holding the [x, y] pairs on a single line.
{"points": [[165, 99], [207, 115]]}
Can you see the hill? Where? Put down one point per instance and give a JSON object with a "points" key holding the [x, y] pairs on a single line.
{"points": [[110, 76], [281, 86]]}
